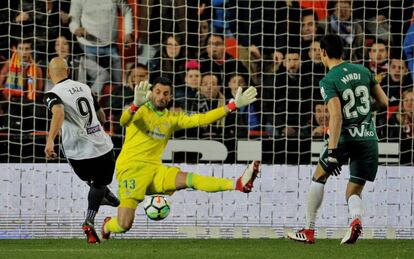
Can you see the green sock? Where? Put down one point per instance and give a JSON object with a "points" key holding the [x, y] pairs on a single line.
{"points": [[209, 183]]}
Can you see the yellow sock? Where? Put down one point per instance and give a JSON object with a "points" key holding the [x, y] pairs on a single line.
{"points": [[113, 226], [209, 183]]}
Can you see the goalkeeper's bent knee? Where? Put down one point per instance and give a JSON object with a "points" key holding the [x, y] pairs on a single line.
{"points": [[113, 226]]}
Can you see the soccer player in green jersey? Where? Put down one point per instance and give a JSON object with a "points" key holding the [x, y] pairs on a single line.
{"points": [[347, 90]]}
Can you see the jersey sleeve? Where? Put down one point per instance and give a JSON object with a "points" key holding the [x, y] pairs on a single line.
{"points": [[127, 118], [50, 99], [372, 81], [96, 105], [184, 121], [328, 89]]}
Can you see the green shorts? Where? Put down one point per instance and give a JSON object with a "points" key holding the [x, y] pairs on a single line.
{"points": [[363, 160]]}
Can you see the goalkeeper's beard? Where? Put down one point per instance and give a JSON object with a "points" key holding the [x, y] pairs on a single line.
{"points": [[159, 105]]}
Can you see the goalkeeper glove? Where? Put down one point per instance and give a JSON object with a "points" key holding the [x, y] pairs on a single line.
{"points": [[141, 95], [334, 166], [242, 98]]}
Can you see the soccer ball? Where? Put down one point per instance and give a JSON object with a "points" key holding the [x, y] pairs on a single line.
{"points": [[156, 207]]}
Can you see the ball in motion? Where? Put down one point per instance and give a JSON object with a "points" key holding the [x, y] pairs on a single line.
{"points": [[156, 207]]}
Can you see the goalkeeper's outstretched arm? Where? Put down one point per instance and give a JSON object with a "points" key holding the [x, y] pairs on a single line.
{"points": [[202, 119]]}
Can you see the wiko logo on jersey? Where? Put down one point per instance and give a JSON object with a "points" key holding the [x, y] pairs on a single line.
{"points": [[361, 132]]}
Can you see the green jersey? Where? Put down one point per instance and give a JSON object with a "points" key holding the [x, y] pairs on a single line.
{"points": [[352, 84]]}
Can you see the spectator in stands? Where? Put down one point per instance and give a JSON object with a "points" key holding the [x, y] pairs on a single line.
{"points": [[186, 95], [81, 68], [309, 31], [21, 80], [209, 97], [169, 61], [21, 77], [396, 81], [313, 70], [341, 23], [291, 101], [217, 61], [244, 122], [123, 96], [34, 19], [321, 120], [402, 127], [95, 24], [378, 59]]}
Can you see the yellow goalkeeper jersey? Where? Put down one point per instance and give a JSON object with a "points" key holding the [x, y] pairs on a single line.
{"points": [[149, 130]]}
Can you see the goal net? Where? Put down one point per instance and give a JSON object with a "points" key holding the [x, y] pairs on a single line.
{"points": [[207, 49]]}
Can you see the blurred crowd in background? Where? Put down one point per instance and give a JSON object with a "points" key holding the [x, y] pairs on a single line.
{"points": [[207, 49]]}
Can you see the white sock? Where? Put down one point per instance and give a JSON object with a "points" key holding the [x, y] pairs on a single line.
{"points": [[315, 197], [355, 207]]}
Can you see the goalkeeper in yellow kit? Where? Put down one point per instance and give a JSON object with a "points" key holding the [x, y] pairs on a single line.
{"points": [[149, 125]]}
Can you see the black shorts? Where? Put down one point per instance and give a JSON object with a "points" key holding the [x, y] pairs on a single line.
{"points": [[98, 170], [363, 156]]}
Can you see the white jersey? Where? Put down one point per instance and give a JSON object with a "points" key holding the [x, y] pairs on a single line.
{"points": [[83, 137]]}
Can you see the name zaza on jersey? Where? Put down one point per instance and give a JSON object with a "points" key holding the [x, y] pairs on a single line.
{"points": [[75, 89]]}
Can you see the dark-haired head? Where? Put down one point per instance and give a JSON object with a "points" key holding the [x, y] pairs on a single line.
{"points": [[161, 93], [332, 46], [162, 81], [137, 73]]}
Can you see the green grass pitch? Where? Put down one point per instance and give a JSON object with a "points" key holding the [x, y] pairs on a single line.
{"points": [[207, 248]]}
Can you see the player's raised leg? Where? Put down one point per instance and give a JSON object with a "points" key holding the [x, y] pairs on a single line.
{"points": [[314, 201], [214, 184], [355, 206]]}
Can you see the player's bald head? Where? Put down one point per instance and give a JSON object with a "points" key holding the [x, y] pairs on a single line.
{"points": [[58, 64], [58, 68]]}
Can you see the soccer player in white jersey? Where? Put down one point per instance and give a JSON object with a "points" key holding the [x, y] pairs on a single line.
{"points": [[77, 114]]}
